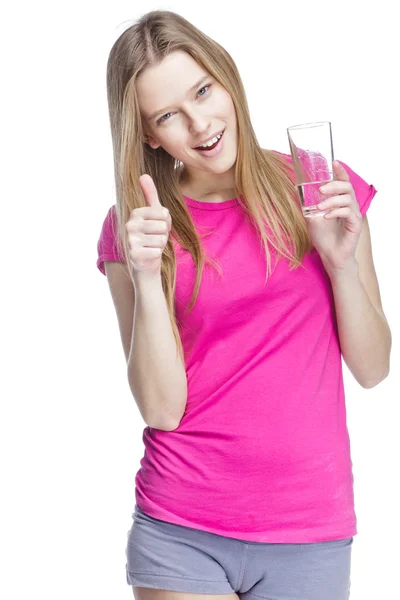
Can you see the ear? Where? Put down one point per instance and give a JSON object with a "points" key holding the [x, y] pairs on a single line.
{"points": [[151, 142], [149, 139]]}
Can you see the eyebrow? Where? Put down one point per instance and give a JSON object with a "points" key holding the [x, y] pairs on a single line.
{"points": [[157, 112]]}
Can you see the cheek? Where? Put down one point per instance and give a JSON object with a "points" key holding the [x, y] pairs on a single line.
{"points": [[226, 107], [175, 144], [175, 140]]}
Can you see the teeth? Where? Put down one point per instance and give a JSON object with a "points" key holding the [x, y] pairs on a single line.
{"points": [[211, 142]]}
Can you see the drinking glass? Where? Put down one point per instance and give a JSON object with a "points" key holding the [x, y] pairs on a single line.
{"points": [[311, 148]]}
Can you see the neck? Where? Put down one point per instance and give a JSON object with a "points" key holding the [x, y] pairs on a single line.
{"points": [[206, 191]]}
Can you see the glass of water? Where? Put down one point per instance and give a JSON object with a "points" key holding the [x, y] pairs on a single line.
{"points": [[311, 148]]}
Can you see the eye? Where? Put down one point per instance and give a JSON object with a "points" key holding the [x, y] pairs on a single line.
{"points": [[205, 87], [163, 119]]}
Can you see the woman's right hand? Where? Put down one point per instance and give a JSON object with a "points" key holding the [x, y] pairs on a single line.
{"points": [[148, 231]]}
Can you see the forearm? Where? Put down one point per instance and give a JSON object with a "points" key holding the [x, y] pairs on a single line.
{"points": [[364, 334], [156, 375]]}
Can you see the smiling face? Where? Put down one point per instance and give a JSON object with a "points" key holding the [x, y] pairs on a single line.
{"points": [[179, 118]]}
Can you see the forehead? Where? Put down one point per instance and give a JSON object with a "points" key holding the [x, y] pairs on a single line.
{"points": [[167, 83]]}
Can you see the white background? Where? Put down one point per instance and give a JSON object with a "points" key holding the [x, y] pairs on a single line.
{"points": [[71, 434]]}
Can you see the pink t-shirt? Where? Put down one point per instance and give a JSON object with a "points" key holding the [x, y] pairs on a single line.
{"points": [[262, 452]]}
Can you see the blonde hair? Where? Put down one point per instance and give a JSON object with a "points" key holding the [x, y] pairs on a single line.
{"points": [[264, 180]]}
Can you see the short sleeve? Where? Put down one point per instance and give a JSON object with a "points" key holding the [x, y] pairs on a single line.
{"points": [[364, 192], [106, 245]]}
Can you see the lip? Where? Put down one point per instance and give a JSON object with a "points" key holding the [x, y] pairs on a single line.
{"points": [[210, 138]]}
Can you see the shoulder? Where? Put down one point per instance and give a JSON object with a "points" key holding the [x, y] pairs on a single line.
{"points": [[107, 244]]}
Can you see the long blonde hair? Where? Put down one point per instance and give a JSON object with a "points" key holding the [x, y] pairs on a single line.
{"points": [[264, 180]]}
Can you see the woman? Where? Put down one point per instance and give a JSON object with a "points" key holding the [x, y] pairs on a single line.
{"points": [[234, 312]]}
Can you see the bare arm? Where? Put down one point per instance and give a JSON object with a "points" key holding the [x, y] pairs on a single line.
{"points": [[365, 336], [157, 377]]}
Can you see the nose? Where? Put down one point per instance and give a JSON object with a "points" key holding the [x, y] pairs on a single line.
{"points": [[199, 125]]}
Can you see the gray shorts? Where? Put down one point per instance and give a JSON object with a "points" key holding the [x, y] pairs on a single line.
{"points": [[173, 557]]}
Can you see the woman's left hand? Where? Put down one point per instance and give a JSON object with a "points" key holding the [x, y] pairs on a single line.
{"points": [[335, 235]]}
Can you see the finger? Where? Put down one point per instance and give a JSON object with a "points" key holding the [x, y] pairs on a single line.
{"points": [[343, 213], [340, 171], [336, 202], [336, 187], [149, 191]]}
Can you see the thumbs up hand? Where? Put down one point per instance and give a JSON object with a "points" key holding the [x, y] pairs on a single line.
{"points": [[148, 231]]}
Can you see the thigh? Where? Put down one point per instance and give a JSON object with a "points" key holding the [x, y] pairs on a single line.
{"points": [[299, 571], [141, 593], [165, 557]]}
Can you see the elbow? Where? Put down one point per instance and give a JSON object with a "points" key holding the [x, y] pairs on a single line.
{"points": [[159, 416], [371, 383], [172, 426], [166, 422], [164, 426]]}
